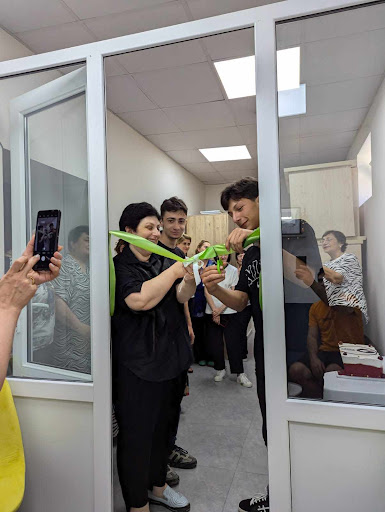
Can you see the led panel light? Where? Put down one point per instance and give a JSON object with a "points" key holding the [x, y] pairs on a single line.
{"points": [[288, 68], [237, 76], [226, 153]]}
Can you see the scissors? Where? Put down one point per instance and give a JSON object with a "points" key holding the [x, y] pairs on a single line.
{"points": [[218, 261]]}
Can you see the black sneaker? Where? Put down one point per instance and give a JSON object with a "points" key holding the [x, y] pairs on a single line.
{"points": [[259, 503], [172, 478], [180, 458]]}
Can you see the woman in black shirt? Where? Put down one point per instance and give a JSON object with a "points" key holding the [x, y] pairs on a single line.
{"points": [[151, 354]]}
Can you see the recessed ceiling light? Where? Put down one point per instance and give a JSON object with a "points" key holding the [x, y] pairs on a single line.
{"points": [[226, 153], [288, 65], [238, 75]]}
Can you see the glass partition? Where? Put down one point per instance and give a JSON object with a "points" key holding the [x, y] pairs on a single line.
{"points": [[331, 102], [44, 168]]}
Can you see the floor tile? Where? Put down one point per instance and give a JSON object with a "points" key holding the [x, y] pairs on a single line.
{"points": [[244, 486]]}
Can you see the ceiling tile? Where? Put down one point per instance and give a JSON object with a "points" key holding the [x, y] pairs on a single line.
{"points": [[344, 23], [288, 34], [131, 22], [184, 85], [244, 110], [202, 116], [55, 38], [347, 95], [205, 9], [249, 134], [334, 122], [219, 137], [340, 58], [148, 122], [252, 150], [168, 56], [94, 8], [289, 126], [325, 156], [23, 15], [113, 67], [213, 181], [171, 141], [234, 165], [286, 161], [187, 156], [231, 45], [200, 168], [123, 95], [318, 143]]}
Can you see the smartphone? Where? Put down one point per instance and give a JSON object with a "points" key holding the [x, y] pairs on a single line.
{"points": [[301, 260], [46, 237]]}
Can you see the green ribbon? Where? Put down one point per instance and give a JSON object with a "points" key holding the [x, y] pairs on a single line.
{"points": [[210, 253]]}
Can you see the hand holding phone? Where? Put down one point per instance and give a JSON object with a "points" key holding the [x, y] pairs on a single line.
{"points": [[46, 237]]}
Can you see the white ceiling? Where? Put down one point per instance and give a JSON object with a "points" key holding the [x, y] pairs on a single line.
{"points": [[172, 94]]}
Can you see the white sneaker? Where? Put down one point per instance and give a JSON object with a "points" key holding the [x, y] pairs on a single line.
{"points": [[221, 374], [244, 381], [174, 501]]}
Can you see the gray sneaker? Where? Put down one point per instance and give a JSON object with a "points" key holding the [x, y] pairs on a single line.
{"points": [[172, 500], [180, 458], [172, 478]]}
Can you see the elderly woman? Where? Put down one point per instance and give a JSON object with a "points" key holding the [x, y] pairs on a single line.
{"points": [[343, 274]]}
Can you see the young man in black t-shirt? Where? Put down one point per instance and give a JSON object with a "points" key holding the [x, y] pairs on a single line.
{"points": [[151, 354], [173, 212], [241, 201]]}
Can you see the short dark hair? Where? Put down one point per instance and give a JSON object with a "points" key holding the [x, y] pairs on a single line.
{"points": [[174, 204], [134, 213], [244, 188], [76, 233], [341, 238]]}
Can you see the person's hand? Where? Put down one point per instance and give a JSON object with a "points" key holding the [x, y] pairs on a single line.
{"points": [[45, 275], [236, 238], [217, 319], [179, 270], [216, 312], [304, 273], [188, 273], [211, 278], [17, 287], [191, 334], [317, 367]]}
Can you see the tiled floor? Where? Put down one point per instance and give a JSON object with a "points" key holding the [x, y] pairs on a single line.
{"points": [[221, 427]]}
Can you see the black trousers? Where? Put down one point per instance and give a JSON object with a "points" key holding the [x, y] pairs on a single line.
{"points": [[175, 405], [145, 412], [200, 342], [259, 357], [242, 319], [229, 332]]}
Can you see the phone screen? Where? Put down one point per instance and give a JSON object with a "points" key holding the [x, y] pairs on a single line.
{"points": [[46, 237]]}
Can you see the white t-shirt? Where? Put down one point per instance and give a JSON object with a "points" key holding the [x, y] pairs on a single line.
{"points": [[231, 279]]}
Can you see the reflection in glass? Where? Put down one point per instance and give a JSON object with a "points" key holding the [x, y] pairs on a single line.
{"points": [[332, 251], [59, 317]]}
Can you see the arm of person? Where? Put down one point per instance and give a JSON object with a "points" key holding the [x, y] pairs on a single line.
{"points": [[317, 366], [187, 287], [189, 322], [68, 317], [153, 290], [234, 299], [332, 276]]}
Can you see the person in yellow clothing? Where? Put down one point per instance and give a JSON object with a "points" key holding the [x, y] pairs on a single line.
{"points": [[17, 287]]}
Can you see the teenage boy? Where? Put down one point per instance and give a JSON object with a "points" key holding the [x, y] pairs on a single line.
{"points": [[173, 212], [241, 201]]}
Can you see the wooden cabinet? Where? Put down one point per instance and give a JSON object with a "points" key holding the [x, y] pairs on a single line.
{"points": [[213, 228], [326, 196]]}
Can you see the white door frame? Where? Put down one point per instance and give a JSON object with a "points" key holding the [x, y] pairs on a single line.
{"points": [[280, 409]]}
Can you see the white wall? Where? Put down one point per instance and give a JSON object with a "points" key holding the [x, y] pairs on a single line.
{"points": [[371, 219], [139, 171], [212, 197]]}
